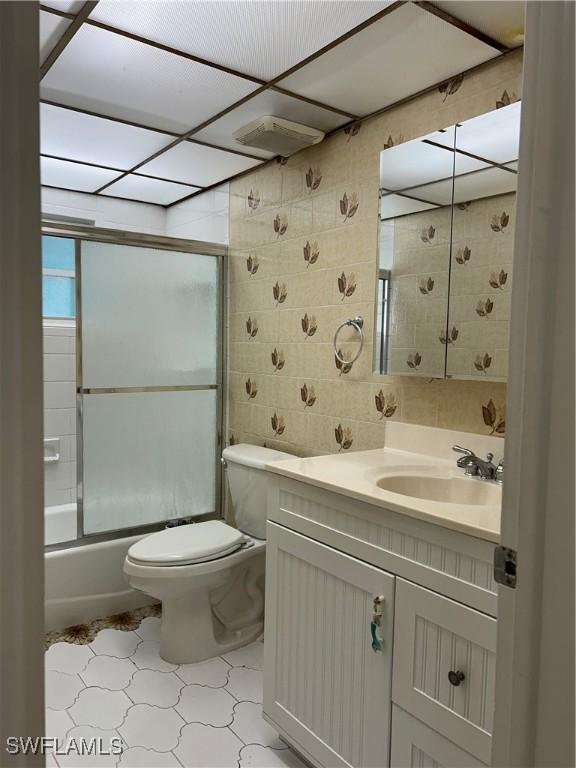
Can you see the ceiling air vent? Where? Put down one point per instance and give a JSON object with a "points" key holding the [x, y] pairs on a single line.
{"points": [[274, 134]]}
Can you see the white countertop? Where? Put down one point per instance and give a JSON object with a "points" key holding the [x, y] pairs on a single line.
{"points": [[355, 474]]}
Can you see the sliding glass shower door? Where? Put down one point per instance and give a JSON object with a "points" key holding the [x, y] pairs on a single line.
{"points": [[149, 385]]}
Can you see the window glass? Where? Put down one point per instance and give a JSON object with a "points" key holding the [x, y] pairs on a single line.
{"points": [[58, 277]]}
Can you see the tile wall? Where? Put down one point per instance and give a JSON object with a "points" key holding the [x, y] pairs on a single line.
{"points": [[60, 412], [303, 238]]}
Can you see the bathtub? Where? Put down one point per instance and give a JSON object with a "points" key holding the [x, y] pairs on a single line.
{"points": [[60, 524], [85, 582]]}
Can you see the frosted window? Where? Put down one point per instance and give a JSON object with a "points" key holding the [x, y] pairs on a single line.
{"points": [[148, 457], [58, 296], [58, 283], [149, 317], [58, 253]]}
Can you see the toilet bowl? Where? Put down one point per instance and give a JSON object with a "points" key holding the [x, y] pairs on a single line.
{"points": [[210, 575]]}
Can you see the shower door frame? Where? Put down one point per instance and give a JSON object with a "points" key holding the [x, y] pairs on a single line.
{"points": [[143, 240]]}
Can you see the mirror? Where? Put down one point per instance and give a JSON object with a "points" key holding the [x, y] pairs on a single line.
{"points": [[446, 237]]}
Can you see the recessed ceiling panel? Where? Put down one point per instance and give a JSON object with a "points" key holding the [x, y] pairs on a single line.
{"points": [[268, 103], [114, 75], [503, 20], [392, 206], [416, 162], [84, 178], [406, 51], [149, 190], [198, 165], [494, 135], [261, 39], [51, 30], [486, 183], [68, 6], [78, 136]]}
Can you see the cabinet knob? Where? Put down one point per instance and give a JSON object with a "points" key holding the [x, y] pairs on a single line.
{"points": [[456, 677]]}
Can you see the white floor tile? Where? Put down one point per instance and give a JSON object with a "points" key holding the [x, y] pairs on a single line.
{"points": [[147, 656], [249, 656], [108, 672], [138, 757], [213, 672], [67, 657], [250, 726], [62, 689], [256, 756], [204, 747], [161, 689], [50, 761], [152, 728], [100, 708], [115, 642], [83, 734], [210, 706], [58, 723], [245, 684], [149, 629]]}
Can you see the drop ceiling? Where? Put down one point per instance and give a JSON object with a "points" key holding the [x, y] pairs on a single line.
{"points": [[140, 100]]}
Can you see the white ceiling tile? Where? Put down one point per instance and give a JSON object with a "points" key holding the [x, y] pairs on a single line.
{"points": [[416, 162], [83, 178], [51, 30], [198, 165], [398, 56], [392, 206], [502, 20], [268, 103], [262, 39], [73, 135], [68, 6], [114, 75], [485, 183], [494, 135], [149, 190]]}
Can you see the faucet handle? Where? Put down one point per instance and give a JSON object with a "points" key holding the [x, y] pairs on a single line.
{"points": [[499, 474]]}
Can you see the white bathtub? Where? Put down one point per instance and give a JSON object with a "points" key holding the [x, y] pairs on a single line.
{"points": [[84, 582], [60, 523]]}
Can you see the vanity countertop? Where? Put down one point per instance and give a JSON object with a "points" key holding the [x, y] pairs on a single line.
{"points": [[355, 475]]}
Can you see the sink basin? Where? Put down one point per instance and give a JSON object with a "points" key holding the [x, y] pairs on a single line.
{"points": [[450, 490]]}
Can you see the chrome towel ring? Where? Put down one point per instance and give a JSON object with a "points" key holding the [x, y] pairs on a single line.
{"points": [[357, 323]]}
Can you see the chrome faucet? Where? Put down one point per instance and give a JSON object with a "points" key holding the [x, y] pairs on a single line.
{"points": [[474, 466]]}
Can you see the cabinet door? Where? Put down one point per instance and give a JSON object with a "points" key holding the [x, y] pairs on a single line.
{"points": [[444, 666], [325, 688], [415, 745]]}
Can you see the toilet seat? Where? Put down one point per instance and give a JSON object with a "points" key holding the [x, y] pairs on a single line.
{"points": [[187, 544]]}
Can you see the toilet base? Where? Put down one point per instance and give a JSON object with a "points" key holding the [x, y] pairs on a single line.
{"points": [[190, 632]]}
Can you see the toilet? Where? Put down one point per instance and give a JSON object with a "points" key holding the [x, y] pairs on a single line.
{"points": [[209, 575]]}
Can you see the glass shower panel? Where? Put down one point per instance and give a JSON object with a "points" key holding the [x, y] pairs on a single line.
{"points": [[149, 317], [148, 457]]}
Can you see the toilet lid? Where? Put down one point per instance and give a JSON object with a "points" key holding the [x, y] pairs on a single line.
{"points": [[185, 544]]}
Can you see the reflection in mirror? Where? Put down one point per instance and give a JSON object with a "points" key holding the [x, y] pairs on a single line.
{"points": [[445, 249]]}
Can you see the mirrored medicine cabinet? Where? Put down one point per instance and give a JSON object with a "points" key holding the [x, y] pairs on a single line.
{"points": [[446, 235]]}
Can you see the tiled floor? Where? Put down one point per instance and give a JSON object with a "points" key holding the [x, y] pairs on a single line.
{"points": [[192, 715]]}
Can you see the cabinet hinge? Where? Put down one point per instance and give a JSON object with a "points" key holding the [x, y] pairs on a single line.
{"points": [[505, 566]]}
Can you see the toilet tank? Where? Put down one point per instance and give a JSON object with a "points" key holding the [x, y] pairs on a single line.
{"points": [[248, 481]]}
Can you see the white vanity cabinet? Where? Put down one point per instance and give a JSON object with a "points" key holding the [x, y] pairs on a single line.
{"points": [[426, 699], [324, 685]]}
